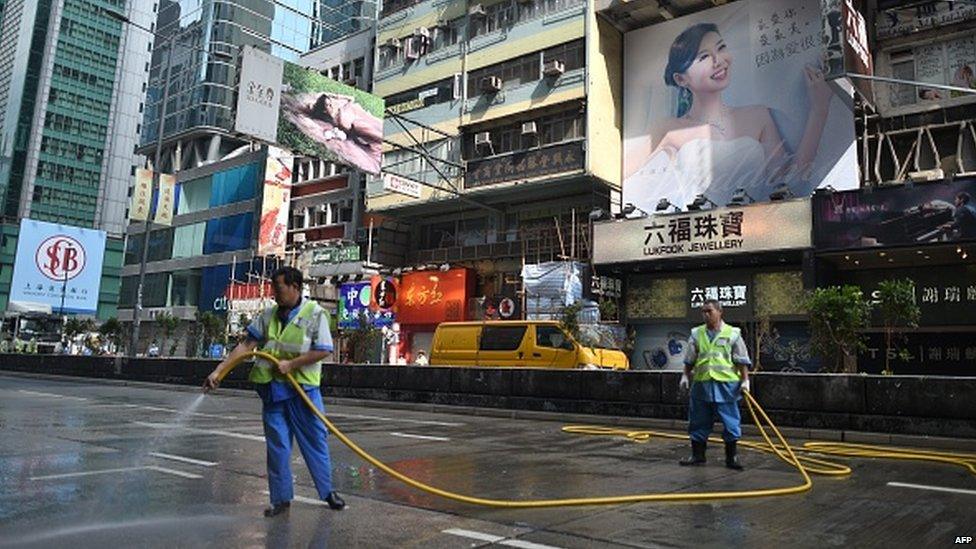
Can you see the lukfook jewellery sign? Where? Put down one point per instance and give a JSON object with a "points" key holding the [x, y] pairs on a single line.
{"points": [[757, 227]]}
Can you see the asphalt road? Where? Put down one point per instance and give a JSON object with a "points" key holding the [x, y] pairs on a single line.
{"points": [[85, 463]]}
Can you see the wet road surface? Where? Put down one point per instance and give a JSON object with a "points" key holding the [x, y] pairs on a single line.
{"points": [[93, 464]]}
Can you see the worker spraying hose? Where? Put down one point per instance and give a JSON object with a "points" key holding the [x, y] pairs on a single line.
{"points": [[295, 334]]}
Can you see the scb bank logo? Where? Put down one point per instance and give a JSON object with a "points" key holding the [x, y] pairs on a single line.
{"points": [[60, 257]]}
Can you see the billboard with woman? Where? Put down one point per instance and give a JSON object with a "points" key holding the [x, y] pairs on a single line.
{"points": [[733, 97]]}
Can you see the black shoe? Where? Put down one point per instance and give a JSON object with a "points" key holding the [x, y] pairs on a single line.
{"points": [[277, 509], [335, 502], [731, 457], [697, 456]]}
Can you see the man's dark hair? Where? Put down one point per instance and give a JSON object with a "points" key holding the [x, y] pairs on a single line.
{"points": [[714, 303], [964, 197], [291, 276]]}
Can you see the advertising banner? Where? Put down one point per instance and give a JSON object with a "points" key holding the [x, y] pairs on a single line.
{"points": [[934, 212], [729, 98], [331, 255], [273, 233], [402, 185], [945, 295], [167, 199], [326, 119], [141, 195], [59, 266], [259, 96], [430, 297], [354, 300], [758, 227]]}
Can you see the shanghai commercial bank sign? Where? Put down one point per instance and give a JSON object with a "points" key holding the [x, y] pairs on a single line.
{"points": [[753, 228]]}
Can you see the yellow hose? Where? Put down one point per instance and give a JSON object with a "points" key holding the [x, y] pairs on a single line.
{"points": [[783, 450]]}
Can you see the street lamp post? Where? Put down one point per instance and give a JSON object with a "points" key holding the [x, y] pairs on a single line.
{"points": [[137, 310]]}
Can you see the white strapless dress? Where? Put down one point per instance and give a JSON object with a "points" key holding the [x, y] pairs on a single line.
{"points": [[715, 168]]}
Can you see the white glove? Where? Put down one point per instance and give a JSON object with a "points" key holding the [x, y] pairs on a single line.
{"points": [[745, 386], [684, 383]]}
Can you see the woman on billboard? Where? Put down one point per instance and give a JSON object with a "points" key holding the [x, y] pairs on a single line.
{"points": [[712, 148]]}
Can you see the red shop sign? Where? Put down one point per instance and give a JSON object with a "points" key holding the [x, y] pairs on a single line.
{"points": [[431, 297]]}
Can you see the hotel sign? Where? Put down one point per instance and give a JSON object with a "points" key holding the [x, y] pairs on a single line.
{"points": [[753, 228]]}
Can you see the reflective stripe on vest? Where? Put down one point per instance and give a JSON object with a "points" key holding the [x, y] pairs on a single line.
{"points": [[287, 343], [714, 361]]}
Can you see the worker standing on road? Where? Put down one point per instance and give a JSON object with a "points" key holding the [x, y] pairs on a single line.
{"points": [[296, 332], [719, 361]]}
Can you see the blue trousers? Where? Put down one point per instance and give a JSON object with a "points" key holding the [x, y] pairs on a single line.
{"points": [[701, 418], [284, 421]]}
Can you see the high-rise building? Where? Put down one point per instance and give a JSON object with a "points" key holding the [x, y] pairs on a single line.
{"points": [[72, 77]]}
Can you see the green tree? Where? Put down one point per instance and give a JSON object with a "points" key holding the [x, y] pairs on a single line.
{"points": [[897, 307], [74, 327], [569, 319], [364, 340], [211, 328], [168, 323], [838, 317], [112, 330]]}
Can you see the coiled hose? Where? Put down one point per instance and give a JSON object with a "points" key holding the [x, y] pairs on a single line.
{"points": [[781, 449]]}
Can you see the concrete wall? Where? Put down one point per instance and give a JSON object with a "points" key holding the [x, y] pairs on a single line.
{"points": [[911, 405]]}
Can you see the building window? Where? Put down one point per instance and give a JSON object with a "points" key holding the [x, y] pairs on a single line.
{"points": [[565, 125]]}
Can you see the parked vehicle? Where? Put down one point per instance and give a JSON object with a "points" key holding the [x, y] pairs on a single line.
{"points": [[529, 343], [38, 331]]}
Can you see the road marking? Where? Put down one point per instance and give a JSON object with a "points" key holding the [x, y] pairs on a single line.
{"points": [[500, 540], [302, 499], [173, 472], [194, 430], [38, 393], [119, 470], [403, 420], [421, 437], [184, 459], [933, 488], [86, 473]]}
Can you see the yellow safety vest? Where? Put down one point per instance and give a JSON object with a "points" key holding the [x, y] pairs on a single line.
{"points": [[714, 361], [286, 343]]}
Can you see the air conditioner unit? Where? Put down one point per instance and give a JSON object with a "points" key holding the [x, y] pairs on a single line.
{"points": [[422, 32], [491, 84], [528, 128], [476, 10], [482, 139], [298, 237], [553, 68], [458, 87]]}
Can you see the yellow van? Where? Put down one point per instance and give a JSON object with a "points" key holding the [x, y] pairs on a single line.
{"points": [[529, 343]]}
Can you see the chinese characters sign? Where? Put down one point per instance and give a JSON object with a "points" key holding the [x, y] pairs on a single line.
{"points": [[141, 195], [924, 353], [59, 266], [330, 255], [517, 167], [354, 300], [431, 297], [945, 295], [167, 194], [758, 227], [728, 295]]}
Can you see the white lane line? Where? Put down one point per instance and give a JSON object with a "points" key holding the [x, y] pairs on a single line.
{"points": [[184, 459], [87, 473], [421, 437], [193, 430], [173, 472], [302, 499], [118, 470], [38, 393], [402, 420], [933, 488], [481, 536]]}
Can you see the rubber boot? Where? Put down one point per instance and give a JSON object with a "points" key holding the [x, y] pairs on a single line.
{"points": [[697, 456], [277, 509], [731, 458], [335, 502]]}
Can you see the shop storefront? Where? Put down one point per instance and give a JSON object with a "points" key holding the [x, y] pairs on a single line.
{"points": [[424, 300], [925, 233], [754, 259]]}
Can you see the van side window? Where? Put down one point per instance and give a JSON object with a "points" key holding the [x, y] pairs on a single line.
{"points": [[552, 336], [502, 338]]}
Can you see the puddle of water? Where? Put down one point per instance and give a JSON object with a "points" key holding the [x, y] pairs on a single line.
{"points": [[80, 531]]}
